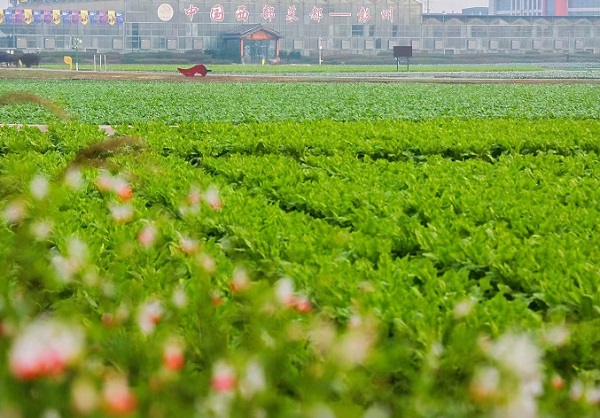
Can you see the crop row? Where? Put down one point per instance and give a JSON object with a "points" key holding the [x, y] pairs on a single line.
{"points": [[98, 102]]}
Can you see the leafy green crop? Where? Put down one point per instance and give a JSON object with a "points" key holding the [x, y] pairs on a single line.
{"points": [[97, 102], [440, 267]]}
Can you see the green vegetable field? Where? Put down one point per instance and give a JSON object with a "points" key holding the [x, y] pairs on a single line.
{"points": [[300, 250]]}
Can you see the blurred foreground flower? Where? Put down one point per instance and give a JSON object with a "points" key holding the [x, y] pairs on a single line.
{"points": [[253, 381], [223, 377], [147, 236], [14, 211], [74, 262], [173, 355], [286, 295], [513, 386], [45, 348], [149, 315], [239, 281], [105, 182], [121, 213], [118, 397], [84, 396], [212, 198], [74, 178], [188, 245], [39, 187], [41, 230]]}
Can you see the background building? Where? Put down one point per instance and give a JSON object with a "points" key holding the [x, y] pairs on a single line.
{"points": [[148, 25], [253, 31], [480, 11], [545, 7]]}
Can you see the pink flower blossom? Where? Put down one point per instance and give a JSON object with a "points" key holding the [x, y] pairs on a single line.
{"points": [[286, 296], [240, 280], [207, 263], [223, 378], [193, 198], [104, 181], [122, 189], [118, 397], [557, 382], [212, 198], [303, 304], [45, 348], [216, 298], [188, 245], [485, 386], [173, 356], [147, 236]]}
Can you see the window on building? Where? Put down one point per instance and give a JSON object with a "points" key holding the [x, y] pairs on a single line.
{"points": [[358, 30]]}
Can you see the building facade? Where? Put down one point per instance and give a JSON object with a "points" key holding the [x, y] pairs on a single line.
{"points": [[460, 34], [149, 25], [255, 30], [545, 7]]}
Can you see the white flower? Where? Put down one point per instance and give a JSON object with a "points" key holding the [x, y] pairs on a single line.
{"points": [[284, 292], [463, 308], [121, 213], [253, 380], [74, 179], [179, 298], [41, 230], [519, 355], [377, 411], [557, 336], [516, 382], [14, 212], [77, 250], [84, 396], [149, 315], [207, 263], [39, 187]]}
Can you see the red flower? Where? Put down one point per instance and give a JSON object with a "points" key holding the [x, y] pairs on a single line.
{"points": [[173, 356], [118, 397]]}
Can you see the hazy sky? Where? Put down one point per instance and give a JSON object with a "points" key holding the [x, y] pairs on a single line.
{"points": [[438, 6]]}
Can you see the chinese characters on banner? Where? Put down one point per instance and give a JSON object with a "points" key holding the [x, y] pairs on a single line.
{"points": [[216, 14], [242, 14]]}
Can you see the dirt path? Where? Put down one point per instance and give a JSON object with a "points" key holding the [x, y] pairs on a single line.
{"points": [[39, 74]]}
